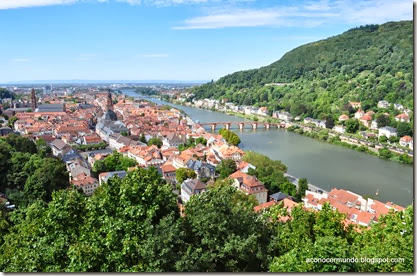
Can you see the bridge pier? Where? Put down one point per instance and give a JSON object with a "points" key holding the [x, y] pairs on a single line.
{"points": [[254, 126], [267, 126], [213, 127], [227, 126], [241, 126]]}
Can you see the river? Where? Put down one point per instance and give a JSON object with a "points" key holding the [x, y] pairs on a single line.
{"points": [[323, 164]]}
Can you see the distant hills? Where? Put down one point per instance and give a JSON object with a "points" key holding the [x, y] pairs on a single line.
{"points": [[367, 64]]}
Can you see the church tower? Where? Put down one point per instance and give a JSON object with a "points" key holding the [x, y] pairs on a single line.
{"points": [[34, 105], [109, 102]]}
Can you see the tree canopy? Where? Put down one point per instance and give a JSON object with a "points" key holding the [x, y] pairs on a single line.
{"points": [[270, 172], [155, 141], [182, 174], [134, 225], [230, 136], [27, 172], [367, 64], [226, 168], [113, 162]]}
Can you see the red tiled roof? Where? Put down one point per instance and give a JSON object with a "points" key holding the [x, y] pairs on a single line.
{"points": [[342, 196], [264, 206], [289, 203], [168, 168], [366, 117], [402, 116], [406, 139]]}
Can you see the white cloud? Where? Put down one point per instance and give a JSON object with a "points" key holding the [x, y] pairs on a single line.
{"points": [[20, 60], [13, 4], [376, 11], [132, 2], [174, 2], [278, 17], [237, 18], [318, 6], [308, 14], [152, 56], [83, 57], [166, 3]]}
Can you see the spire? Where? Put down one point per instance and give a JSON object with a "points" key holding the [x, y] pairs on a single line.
{"points": [[33, 100], [109, 104]]}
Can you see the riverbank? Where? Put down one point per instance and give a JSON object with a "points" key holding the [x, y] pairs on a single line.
{"points": [[328, 165], [318, 133], [291, 178], [382, 152]]}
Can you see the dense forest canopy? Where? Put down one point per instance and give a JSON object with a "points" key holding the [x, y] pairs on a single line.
{"points": [[367, 64], [134, 224], [4, 94]]}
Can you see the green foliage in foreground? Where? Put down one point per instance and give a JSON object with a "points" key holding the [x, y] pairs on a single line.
{"points": [[26, 174], [113, 162], [133, 224], [322, 235]]}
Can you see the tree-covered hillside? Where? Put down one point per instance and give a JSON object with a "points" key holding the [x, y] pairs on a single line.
{"points": [[367, 64]]}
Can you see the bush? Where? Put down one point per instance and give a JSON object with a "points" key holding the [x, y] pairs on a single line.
{"points": [[385, 153], [101, 145]]}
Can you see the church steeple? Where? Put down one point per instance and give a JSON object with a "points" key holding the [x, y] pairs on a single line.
{"points": [[34, 105], [109, 103]]}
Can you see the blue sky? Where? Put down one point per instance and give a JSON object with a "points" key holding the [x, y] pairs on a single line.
{"points": [[168, 39]]}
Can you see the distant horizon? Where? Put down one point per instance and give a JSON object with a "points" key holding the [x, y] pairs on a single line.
{"points": [[169, 39]]}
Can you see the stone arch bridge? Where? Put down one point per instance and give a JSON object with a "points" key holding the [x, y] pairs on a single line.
{"points": [[241, 125]]}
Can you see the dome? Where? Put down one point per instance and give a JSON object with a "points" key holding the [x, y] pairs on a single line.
{"points": [[110, 116]]}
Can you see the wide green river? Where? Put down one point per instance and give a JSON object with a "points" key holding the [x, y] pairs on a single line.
{"points": [[324, 165]]}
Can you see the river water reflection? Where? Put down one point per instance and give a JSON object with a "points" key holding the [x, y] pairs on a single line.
{"points": [[324, 165]]}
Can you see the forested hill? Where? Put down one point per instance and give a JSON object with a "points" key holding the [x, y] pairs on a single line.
{"points": [[368, 64]]}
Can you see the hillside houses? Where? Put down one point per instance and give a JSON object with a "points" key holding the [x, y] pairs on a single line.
{"points": [[387, 131], [146, 156], [59, 147], [85, 182], [402, 118], [104, 177], [250, 185], [406, 141], [191, 187], [357, 209]]}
